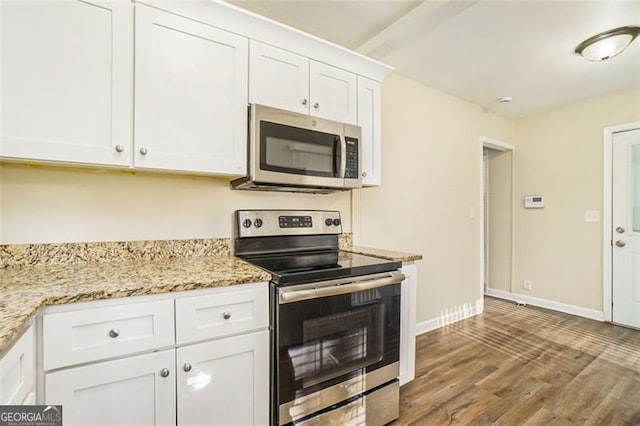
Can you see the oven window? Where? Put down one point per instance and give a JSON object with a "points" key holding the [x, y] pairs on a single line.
{"points": [[338, 344], [288, 149]]}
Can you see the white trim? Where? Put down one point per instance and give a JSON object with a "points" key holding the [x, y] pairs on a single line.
{"points": [[606, 212], [495, 144], [548, 304], [451, 316]]}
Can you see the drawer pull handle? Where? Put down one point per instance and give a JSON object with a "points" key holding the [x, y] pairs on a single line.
{"points": [[164, 372], [114, 332], [226, 315], [186, 367]]}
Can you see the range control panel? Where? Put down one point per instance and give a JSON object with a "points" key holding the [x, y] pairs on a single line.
{"points": [[295, 221], [264, 223]]}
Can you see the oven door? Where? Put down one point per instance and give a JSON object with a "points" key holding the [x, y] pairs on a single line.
{"points": [[295, 149], [335, 340]]}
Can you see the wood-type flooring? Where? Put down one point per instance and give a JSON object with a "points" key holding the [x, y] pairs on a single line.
{"points": [[522, 365]]}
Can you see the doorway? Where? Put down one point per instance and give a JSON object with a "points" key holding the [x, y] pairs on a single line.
{"points": [[497, 215], [622, 230]]}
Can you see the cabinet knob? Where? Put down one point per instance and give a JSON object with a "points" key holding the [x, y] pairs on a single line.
{"points": [[143, 151], [186, 367], [364, 174], [114, 332], [226, 315], [119, 148], [316, 105], [164, 372], [304, 102]]}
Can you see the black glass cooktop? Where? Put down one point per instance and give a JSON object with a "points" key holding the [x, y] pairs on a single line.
{"points": [[304, 267]]}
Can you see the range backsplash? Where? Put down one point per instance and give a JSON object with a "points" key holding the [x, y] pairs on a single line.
{"points": [[19, 255]]}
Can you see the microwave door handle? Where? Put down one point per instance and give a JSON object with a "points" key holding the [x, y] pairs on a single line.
{"points": [[342, 159]]}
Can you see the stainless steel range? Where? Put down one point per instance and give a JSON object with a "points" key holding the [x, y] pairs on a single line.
{"points": [[335, 319]]}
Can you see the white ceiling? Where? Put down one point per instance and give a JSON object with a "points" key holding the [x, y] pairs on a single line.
{"points": [[478, 50]]}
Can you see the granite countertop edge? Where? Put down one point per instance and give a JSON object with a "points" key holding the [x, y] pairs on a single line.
{"points": [[25, 291], [397, 256]]}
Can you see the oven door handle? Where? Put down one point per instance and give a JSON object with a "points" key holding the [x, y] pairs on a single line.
{"points": [[288, 296]]}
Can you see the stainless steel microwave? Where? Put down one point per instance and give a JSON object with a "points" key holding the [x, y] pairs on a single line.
{"points": [[295, 152]]}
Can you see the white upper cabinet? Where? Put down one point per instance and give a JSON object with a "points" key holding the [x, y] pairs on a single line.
{"points": [[369, 117], [191, 95], [332, 93], [279, 78], [67, 78], [289, 81]]}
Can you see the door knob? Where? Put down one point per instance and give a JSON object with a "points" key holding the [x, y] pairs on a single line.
{"points": [[620, 230], [620, 243]]}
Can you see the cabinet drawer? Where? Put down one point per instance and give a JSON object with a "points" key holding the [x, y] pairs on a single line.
{"points": [[17, 371], [216, 315], [97, 333]]}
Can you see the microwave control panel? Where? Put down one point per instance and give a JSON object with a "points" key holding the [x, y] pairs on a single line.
{"points": [[351, 170]]}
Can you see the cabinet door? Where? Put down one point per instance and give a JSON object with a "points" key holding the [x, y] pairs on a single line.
{"points": [[128, 391], [191, 95], [227, 381], [278, 78], [369, 118], [332, 93], [408, 324], [18, 371], [67, 79]]}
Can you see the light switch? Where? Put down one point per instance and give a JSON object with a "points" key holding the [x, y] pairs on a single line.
{"points": [[592, 215]]}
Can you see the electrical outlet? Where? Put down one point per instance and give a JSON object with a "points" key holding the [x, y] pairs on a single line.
{"points": [[527, 284]]}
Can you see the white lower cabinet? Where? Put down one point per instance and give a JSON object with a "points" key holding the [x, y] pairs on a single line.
{"points": [[224, 381], [139, 390], [17, 372], [408, 323], [219, 373]]}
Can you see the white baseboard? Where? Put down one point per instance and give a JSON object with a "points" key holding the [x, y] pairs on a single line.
{"points": [[548, 304], [450, 316]]}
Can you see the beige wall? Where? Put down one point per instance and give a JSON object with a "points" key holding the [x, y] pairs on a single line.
{"points": [[500, 209], [559, 154], [54, 204], [431, 179]]}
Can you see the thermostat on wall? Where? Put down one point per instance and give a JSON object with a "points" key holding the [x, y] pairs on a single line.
{"points": [[534, 202]]}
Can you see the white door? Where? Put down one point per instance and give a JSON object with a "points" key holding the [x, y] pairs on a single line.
{"points": [[67, 81], [332, 93], [130, 391], [225, 381], [626, 228], [191, 95], [278, 78], [369, 120]]}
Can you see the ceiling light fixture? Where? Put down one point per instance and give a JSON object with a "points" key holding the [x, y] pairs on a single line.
{"points": [[607, 44]]}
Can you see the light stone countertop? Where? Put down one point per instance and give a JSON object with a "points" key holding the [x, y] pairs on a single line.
{"points": [[385, 254], [25, 290]]}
